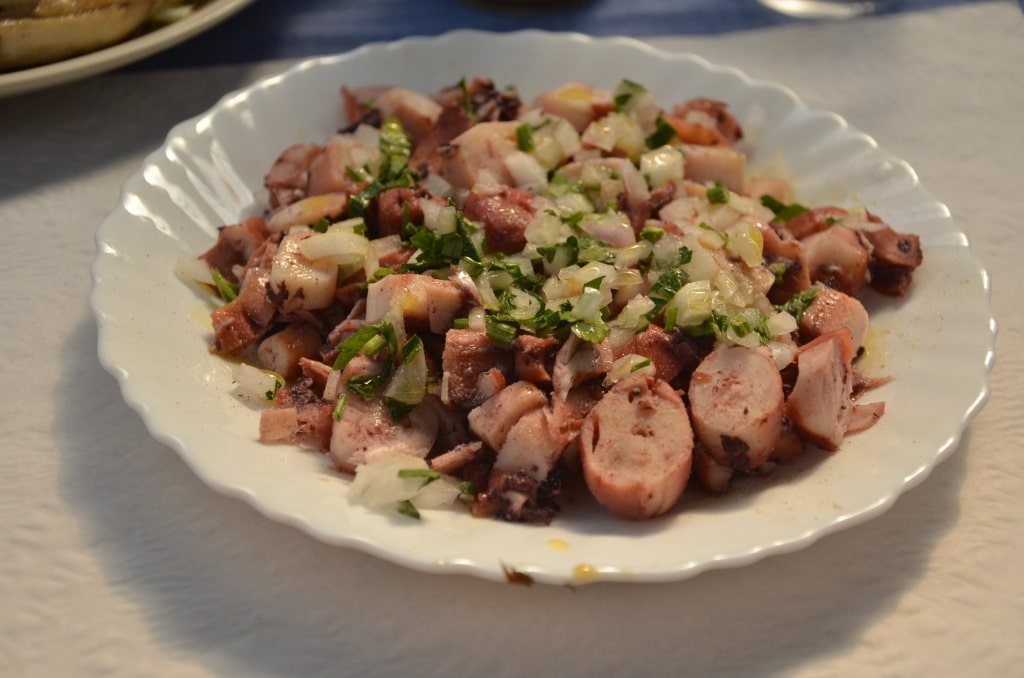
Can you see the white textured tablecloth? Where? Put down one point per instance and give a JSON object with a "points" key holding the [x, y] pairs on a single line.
{"points": [[116, 561]]}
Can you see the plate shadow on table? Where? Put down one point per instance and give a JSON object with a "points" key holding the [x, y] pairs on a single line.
{"points": [[236, 593]]}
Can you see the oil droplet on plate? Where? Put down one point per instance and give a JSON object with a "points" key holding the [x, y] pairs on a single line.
{"points": [[584, 572], [558, 544], [875, 354]]}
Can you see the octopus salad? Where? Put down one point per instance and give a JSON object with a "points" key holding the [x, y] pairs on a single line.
{"points": [[466, 297]]}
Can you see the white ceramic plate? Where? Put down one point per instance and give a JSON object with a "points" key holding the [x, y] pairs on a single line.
{"points": [[109, 58], [154, 332]]}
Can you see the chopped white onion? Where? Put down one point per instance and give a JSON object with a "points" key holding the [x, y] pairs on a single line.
{"points": [[477, 319], [337, 245], [436, 185], [616, 131], [526, 171], [627, 366], [744, 240], [781, 323], [662, 166], [610, 227], [589, 304], [547, 229], [437, 493], [525, 306], [438, 217], [367, 135], [693, 303], [631, 319], [378, 485], [378, 248], [566, 136], [194, 269], [783, 353], [254, 384], [628, 257]]}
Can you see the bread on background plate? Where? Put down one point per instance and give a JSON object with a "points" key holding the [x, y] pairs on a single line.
{"points": [[36, 32]]}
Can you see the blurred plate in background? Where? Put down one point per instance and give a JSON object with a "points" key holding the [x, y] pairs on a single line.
{"points": [[203, 18]]}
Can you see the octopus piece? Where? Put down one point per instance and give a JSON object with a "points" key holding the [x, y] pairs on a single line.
{"points": [[417, 113], [235, 244], [780, 189], [457, 458], [864, 416], [577, 361], [426, 156], [329, 171], [297, 283], [532, 357], [492, 420], [736, 401], [359, 366], [658, 346], [366, 431], [282, 351], [578, 103], [781, 250], [821, 400], [636, 448], [697, 133], [393, 209], [711, 113], [715, 164], [353, 322], [832, 310], [422, 301], [528, 472], [569, 413], [790, 446], [504, 217], [307, 425], [477, 156], [836, 257], [532, 446], [469, 362], [308, 211], [288, 178], [516, 496], [894, 258], [713, 477], [241, 322], [319, 373], [359, 103], [483, 99], [814, 221]]}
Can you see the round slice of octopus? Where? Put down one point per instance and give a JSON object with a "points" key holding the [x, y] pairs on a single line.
{"points": [[636, 448], [736, 401]]}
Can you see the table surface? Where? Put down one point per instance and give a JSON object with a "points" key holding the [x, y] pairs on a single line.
{"points": [[115, 560]]}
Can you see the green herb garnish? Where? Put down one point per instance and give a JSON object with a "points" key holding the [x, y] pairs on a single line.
{"points": [[718, 194], [406, 508], [663, 133], [339, 408], [798, 304], [524, 137], [227, 290], [428, 475], [783, 212]]}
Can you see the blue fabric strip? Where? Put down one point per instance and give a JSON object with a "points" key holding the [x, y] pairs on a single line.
{"points": [[283, 29]]}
